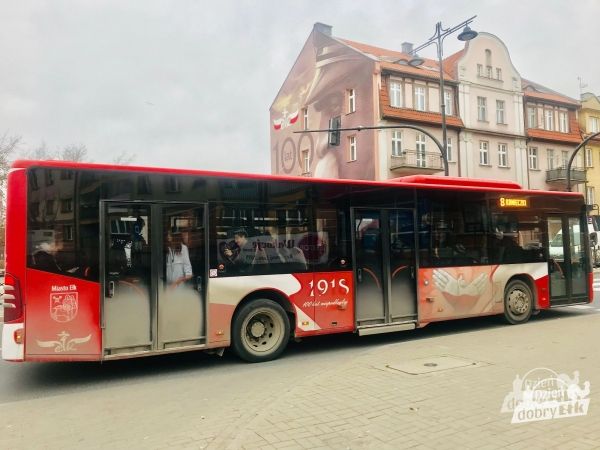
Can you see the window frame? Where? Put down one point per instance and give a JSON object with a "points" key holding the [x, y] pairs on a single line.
{"points": [[549, 119], [395, 93], [396, 143], [448, 102], [417, 89], [421, 149], [503, 155], [351, 93], [352, 148], [484, 153], [482, 109], [500, 116], [532, 158]]}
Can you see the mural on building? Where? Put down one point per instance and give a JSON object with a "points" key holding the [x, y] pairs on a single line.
{"points": [[318, 89]]}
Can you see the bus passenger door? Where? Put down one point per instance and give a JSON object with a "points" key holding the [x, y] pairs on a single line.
{"points": [[384, 256], [127, 306], [181, 298], [567, 260]]}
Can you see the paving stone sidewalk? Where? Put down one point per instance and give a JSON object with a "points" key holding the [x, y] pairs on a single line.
{"points": [[358, 403]]}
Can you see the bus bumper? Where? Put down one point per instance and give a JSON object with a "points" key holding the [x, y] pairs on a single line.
{"points": [[11, 349]]}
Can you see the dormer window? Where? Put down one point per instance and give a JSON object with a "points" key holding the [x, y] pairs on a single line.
{"points": [[420, 98], [395, 94]]}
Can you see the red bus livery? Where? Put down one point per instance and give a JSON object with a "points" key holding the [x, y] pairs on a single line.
{"points": [[106, 262]]}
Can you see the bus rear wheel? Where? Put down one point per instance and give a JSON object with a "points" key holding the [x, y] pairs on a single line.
{"points": [[518, 302], [260, 331]]}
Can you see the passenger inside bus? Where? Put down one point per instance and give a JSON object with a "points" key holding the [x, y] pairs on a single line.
{"points": [[44, 258], [178, 266]]}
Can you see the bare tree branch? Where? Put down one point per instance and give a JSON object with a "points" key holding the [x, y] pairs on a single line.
{"points": [[124, 158], [74, 152]]}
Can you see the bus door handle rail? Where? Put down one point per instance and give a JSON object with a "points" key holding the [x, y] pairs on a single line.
{"points": [[111, 289], [359, 275]]}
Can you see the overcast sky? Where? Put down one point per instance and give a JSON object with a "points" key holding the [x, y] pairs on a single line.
{"points": [[189, 83]]}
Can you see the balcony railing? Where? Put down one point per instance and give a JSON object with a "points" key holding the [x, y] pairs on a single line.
{"points": [[559, 175], [414, 162]]}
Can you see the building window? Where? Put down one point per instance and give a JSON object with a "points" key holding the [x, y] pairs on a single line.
{"points": [[66, 174], [421, 161], [488, 57], [66, 205], [480, 70], [448, 102], [449, 150], [589, 158], [351, 100], [49, 207], [305, 118], [565, 159], [500, 111], [590, 195], [420, 98], [563, 123], [484, 153], [396, 143], [594, 125], [482, 109], [49, 177], [532, 153], [502, 155], [351, 148], [531, 117], [395, 94], [67, 233], [498, 73], [549, 119], [305, 161], [550, 158]]}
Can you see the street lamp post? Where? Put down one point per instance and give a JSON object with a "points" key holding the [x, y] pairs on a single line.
{"points": [[438, 39]]}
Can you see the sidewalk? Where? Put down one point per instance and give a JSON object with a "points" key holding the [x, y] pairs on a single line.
{"points": [[366, 404], [355, 401]]}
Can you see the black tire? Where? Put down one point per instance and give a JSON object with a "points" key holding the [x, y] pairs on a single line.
{"points": [[518, 302], [260, 331]]}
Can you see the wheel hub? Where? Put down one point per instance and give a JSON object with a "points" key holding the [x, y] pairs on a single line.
{"points": [[518, 302], [257, 329]]}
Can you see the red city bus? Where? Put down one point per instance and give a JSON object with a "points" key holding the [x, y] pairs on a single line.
{"points": [[106, 262]]}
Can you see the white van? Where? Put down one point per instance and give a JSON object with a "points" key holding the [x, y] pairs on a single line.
{"points": [[556, 244]]}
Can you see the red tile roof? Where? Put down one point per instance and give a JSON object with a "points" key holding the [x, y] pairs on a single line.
{"points": [[429, 69], [412, 115], [450, 65], [537, 91]]}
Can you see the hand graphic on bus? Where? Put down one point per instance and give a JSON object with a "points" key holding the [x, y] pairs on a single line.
{"points": [[458, 287]]}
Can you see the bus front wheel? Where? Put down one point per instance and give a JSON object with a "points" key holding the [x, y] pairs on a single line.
{"points": [[518, 302], [261, 330]]}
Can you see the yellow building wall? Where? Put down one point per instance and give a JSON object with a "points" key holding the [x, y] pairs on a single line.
{"points": [[590, 107]]}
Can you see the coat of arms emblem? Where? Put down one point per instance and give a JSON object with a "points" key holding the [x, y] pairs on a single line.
{"points": [[63, 306]]}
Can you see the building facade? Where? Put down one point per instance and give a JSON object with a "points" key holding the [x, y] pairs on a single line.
{"points": [[589, 122], [499, 125]]}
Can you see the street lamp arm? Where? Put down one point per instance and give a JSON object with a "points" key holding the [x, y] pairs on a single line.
{"points": [[389, 127], [572, 158], [441, 33]]}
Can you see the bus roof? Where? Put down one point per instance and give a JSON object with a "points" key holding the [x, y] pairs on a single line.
{"points": [[413, 181]]}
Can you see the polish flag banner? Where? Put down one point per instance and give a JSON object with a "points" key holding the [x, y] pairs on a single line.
{"points": [[293, 118]]}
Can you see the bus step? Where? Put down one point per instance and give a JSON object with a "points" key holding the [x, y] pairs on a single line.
{"points": [[387, 328]]}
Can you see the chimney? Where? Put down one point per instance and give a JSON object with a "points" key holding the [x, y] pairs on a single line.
{"points": [[322, 28], [407, 47]]}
